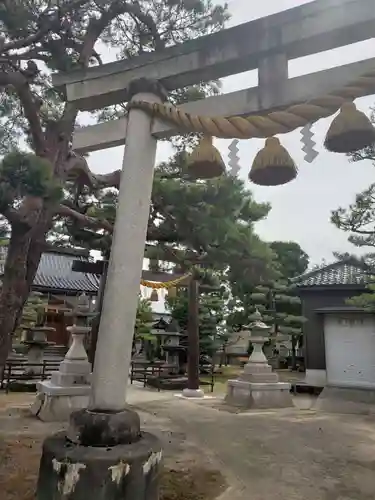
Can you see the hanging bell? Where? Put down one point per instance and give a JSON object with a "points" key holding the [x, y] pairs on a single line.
{"points": [[154, 297], [351, 130], [172, 292], [205, 162], [273, 165]]}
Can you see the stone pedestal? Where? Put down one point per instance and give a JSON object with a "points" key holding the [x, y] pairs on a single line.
{"points": [[352, 400], [34, 357], [103, 456], [69, 388], [193, 393], [258, 387], [36, 340]]}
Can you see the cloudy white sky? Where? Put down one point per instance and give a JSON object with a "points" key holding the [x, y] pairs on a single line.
{"points": [[300, 210]]}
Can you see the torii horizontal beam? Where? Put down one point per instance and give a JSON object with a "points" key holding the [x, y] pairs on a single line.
{"points": [[157, 276], [308, 29], [244, 102]]}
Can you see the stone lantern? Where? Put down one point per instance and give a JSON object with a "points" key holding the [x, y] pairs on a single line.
{"points": [[69, 387], [171, 346], [258, 386], [35, 338], [259, 334], [76, 361], [34, 334]]}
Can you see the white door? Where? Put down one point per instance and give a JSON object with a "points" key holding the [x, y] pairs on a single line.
{"points": [[350, 350]]}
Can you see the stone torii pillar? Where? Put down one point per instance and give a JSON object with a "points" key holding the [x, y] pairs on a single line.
{"points": [[113, 354], [129, 466]]}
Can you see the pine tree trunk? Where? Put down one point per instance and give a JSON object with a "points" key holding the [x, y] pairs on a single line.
{"points": [[20, 268]]}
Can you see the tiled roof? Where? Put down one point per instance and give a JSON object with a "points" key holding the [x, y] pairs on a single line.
{"points": [[55, 272], [342, 273]]}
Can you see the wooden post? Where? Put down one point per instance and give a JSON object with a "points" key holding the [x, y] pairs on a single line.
{"points": [[96, 322], [193, 341]]}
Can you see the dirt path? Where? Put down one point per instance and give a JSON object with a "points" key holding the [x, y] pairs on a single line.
{"points": [[190, 474], [275, 455], [284, 455]]}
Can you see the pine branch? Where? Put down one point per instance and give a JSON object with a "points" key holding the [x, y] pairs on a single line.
{"points": [[50, 24], [21, 85], [84, 220], [97, 26]]}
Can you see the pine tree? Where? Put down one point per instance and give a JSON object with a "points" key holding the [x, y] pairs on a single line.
{"points": [[211, 316], [358, 219], [281, 308], [36, 125]]}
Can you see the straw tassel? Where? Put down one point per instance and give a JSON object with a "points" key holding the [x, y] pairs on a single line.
{"points": [[205, 162], [273, 165], [351, 130], [154, 296]]}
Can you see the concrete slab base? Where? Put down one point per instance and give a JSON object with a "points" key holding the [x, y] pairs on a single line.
{"points": [[346, 400], [56, 404], [255, 395], [193, 393], [126, 471], [199, 398]]}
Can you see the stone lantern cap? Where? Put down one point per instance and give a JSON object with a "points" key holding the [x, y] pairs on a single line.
{"points": [[257, 327], [82, 311], [36, 335]]}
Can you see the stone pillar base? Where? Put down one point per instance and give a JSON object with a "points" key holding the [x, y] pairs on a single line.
{"points": [[258, 387], [102, 456], [56, 404], [193, 393], [120, 472], [254, 395], [346, 400]]}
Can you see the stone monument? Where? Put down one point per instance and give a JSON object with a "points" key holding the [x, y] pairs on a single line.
{"points": [[69, 387], [35, 338], [258, 386]]}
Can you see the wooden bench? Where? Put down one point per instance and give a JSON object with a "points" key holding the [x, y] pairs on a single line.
{"points": [[141, 370], [15, 371], [211, 375]]}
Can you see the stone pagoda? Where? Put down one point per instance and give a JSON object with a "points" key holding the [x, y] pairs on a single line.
{"points": [[258, 386], [69, 387]]}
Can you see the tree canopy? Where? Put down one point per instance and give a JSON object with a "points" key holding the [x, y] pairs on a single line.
{"points": [[211, 316], [37, 38], [292, 260], [358, 220]]}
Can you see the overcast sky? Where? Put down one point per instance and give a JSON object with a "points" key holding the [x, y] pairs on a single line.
{"points": [[301, 209]]}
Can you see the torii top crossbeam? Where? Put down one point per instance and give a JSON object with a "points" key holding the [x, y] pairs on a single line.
{"points": [[311, 28]]}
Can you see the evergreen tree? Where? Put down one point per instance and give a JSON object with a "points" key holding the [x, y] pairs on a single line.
{"points": [[211, 316], [292, 260], [36, 125], [281, 308], [209, 224], [358, 220], [366, 300]]}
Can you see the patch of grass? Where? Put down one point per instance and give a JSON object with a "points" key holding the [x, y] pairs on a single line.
{"points": [[193, 483], [224, 374], [19, 465]]}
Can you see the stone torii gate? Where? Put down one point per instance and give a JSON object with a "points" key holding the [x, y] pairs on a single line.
{"points": [[270, 43], [267, 44]]}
